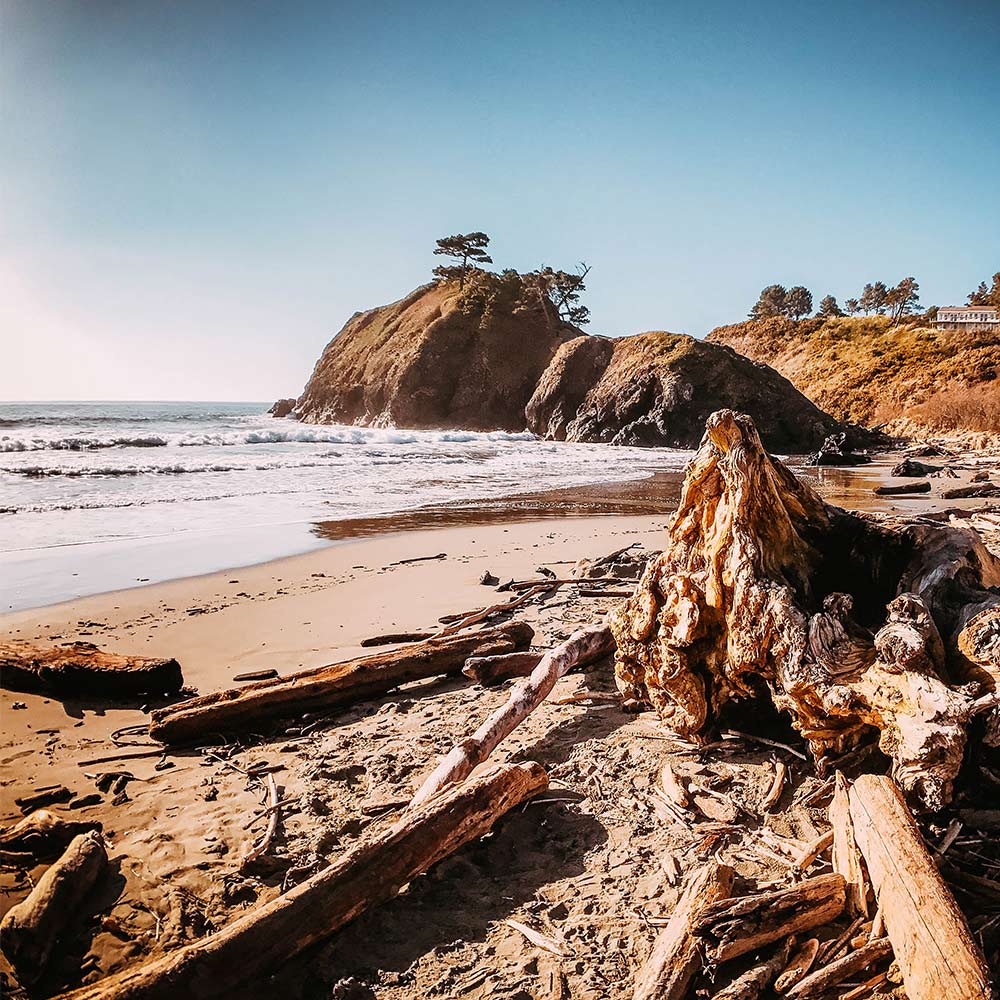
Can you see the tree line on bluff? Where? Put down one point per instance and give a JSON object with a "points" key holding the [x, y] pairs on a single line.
{"points": [[510, 290], [876, 297]]}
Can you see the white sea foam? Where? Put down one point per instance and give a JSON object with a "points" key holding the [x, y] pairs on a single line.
{"points": [[76, 472]]}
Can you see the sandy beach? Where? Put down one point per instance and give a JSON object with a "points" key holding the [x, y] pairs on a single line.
{"points": [[591, 875]]}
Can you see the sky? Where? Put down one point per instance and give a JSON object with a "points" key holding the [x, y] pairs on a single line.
{"points": [[195, 195]]}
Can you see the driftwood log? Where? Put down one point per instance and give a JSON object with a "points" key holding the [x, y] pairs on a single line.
{"points": [[847, 859], [43, 834], [757, 978], [823, 980], [80, 668], [487, 670], [735, 927], [370, 873], [32, 928], [936, 952], [677, 953], [857, 624], [524, 698], [331, 686]]}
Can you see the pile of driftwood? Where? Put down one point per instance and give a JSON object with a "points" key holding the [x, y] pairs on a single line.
{"points": [[862, 629], [883, 916]]}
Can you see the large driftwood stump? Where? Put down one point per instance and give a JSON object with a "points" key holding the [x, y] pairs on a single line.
{"points": [[80, 668], [854, 622]]}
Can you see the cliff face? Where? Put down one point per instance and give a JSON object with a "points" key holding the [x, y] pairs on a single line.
{"points": [[866, 370], [659, 388], [426, 361]]}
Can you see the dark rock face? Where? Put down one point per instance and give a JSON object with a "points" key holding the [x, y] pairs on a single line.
{"points": [[282, 407], [658, 389], [574, 371], [428, 362]]}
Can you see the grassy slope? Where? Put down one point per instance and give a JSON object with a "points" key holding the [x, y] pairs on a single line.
{"points": [[864, 370]]}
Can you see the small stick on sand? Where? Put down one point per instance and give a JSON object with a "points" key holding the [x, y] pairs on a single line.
{"points": [[799, 964], [774, 793], [813, 851], [274, 807]]}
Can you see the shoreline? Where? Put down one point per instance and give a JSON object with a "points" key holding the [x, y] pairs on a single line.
{"points": [[49, 577]]}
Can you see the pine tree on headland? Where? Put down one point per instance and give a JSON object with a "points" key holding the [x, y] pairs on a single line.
{"points": [[772, 302], [562, 289], [852, 307], [980, 297], [798, 302], [470, 247], [873, 297], [828, 307], [903, 299], [986, 296]]}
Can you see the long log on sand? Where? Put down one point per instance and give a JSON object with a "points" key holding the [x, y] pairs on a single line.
{"points": [[326, 687], [934, 947], [80, 668], [736, 927], [677, 953], [371, 873], [524, 698], [32, 928]]}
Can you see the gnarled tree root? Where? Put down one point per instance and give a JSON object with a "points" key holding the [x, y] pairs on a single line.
{"points": [[855, 623]]}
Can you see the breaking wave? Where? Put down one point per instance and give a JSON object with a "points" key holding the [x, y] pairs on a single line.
{"points": [[297, 434]]}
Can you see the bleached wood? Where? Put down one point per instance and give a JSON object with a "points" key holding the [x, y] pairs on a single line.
{"points": [[937, 955], [31, 929], [238, 709], [755, 591], [739, 926], [676, 956], [846, 856], [524, 698], [819, 982]]}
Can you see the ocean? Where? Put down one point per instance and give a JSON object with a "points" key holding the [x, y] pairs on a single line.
{"points": [[100, 496]]}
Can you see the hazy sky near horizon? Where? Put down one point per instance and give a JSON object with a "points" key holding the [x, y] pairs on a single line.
{"points": [[196, 194]]}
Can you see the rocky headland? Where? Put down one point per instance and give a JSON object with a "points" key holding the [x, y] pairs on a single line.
{"points": [[658, 388], [489, 358], [435, 359]]}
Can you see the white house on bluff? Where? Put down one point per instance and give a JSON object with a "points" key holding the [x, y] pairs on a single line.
{"points": [[969, 318]]}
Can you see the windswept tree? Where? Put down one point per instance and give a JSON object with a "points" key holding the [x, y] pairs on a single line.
{"points": [[852, 307], [772, 302], [902, 299], [563, 290], [873, 297], [798, 302], [465, 249], [828, 307], [986, 295], [980, 297]]}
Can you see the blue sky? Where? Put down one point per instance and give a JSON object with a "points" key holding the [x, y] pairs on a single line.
{"points": [[196, 194]]}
